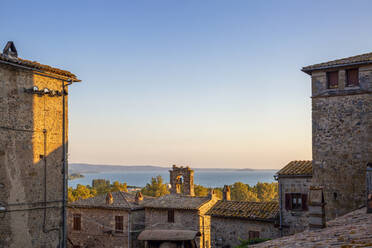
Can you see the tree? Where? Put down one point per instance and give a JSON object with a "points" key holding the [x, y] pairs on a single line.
{"points": [[81, 192], [241, 192], [116, 186], [266, 191], [200, 190], [156, 188]]}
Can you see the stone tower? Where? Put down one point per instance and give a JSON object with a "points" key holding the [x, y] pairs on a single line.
{"points": [[33, 145], [341, 130], [182, 179]]}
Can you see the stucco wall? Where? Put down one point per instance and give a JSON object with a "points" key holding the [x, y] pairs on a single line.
{"points": [[23, 117], [342, 140]]}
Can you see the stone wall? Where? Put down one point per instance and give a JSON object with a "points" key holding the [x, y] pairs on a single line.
{"points": [[294, 221], [182, 173], [226, 232], [30, 160], [98, 228], [183, 220], [342, 140]]}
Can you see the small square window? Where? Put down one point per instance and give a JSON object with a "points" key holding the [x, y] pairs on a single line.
{"points": [[254, 235], [171, 216], [352, 77], [332, 79], [77, 222], [119, 224]]}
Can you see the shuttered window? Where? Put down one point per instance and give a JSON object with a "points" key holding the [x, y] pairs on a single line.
{"points": [[352, 77], [119, 224], [77, 222], [171, 216], [332, 79], [254, 234], [296, 201]]}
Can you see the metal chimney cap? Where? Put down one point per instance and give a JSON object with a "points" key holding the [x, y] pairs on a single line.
{"points": [[10, 50]]}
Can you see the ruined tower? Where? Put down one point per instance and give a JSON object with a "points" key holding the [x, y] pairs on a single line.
{"points": [[342, 130], [33, 146], [182, 179]]}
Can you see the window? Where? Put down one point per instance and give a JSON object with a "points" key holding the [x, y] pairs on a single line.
{"points": [[77, 222], [171, 216], [119, 224], [296, 201], [254, 234], [352, 77], [332, 79]]}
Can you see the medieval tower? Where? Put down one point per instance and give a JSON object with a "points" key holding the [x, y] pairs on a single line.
{"points": [[182, 180], [33, 145], [341, 130]]}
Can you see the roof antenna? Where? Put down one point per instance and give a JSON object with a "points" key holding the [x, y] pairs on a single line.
{"points": [[10, 50]]}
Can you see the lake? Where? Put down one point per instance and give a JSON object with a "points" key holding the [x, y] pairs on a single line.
{"points": [[209, 178]]}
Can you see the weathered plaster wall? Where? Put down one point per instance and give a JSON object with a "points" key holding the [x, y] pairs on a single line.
{"points": [[226, 232], [296, 220], [23, 117], [342, 140]]}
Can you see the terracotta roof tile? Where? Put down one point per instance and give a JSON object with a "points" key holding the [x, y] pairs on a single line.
{"points": [[297, 168], [36, 65], [250, 210], [175, 201], [358, 59], [120, 200]]}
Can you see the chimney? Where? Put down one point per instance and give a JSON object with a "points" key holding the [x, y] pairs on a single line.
{"points": [[10, 50], [139, 197], [109, 199], [226, 193], [212, 194]]}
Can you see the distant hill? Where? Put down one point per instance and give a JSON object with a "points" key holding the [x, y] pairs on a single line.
{"points": [[95, 168]]}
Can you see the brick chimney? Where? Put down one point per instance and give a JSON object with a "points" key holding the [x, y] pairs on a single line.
{"points": [[139, 197], [109, 199], [226, 196]]}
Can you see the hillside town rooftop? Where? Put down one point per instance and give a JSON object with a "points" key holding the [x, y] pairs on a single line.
{"points": [[350, 61], [120, 200], [10, 57], [175, 201], [297, 168], [266, 211]]}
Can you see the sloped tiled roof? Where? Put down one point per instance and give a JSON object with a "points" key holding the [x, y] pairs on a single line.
{"points": [[358, 59], [267, 211], [176, 201], [121, 200], [37, 66], [297, 168]]}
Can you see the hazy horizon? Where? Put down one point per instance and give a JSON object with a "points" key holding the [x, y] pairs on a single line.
{"points": [[197, 83]]}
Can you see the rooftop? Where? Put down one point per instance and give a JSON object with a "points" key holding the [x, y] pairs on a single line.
{"points": [[121, 200], [354, 60], [175, 201], [250, 210], [351, 230], [297, 168], [10, 57]]}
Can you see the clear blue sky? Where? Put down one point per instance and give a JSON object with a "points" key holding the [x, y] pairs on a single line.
{"points": [[201, 83]]}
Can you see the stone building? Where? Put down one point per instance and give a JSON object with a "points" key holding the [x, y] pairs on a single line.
{"points": [[232, 221], [342, 130], [179, 218], [33, 145], [181, 180], [294, 181], [112, 220]]}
